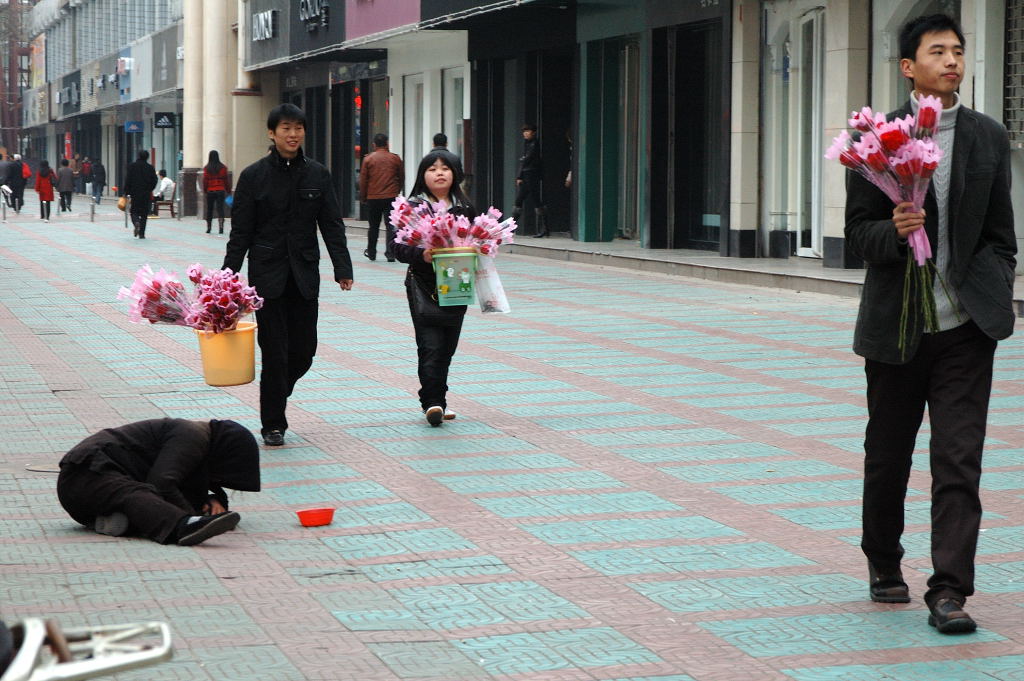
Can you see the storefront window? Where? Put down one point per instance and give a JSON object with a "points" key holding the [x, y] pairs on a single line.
{"points": [[453, 113]]}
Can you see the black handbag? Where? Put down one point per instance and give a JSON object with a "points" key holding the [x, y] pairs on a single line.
{"points": [[425, 309]]}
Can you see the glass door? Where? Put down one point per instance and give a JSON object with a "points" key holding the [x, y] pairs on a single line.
{"points": [[452, 114], [412, 115], [810, 75]]}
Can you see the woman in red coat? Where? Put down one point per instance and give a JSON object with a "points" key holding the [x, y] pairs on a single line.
{"points": [[44, 187], [215, 184]]}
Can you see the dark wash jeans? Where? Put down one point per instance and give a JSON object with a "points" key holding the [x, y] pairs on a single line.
{"points": [[951, 373]]}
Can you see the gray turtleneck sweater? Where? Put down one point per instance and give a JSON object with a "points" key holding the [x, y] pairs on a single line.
{"points": [[949, 311]]}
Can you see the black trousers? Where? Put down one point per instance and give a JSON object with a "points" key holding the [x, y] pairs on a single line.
{"points": [[286, 331], [214, 199], [139, 212], [951, 373], [379, 209], [86, 494], [65, 200], [435, 347], [44, 210]]}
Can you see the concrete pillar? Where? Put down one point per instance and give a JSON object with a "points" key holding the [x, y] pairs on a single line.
{"points": [[744, 209], [192, 109], [846, 89], [983, 23], [216, 54], [248, 136]]}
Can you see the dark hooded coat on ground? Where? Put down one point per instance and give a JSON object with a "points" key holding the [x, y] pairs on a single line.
{"points": [[181, 463]]}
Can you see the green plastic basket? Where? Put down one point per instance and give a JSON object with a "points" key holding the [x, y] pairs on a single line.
{"points": [[454, 273]]}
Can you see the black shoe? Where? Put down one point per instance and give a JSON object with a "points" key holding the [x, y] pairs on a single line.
{"points": [[541, 235], [948, 616], [113, 525], [372, 257], [273, 438], [887, 587], [435, 415], [391, 259], [198, 531]]}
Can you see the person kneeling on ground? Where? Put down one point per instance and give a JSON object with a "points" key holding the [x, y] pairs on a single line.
{"points": [[162, 479]]}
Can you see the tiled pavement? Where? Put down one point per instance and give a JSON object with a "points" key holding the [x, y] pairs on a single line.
{"points": [[650, 479]]}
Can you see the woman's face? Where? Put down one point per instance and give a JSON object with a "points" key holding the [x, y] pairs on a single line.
{"points": [[438, 179]]}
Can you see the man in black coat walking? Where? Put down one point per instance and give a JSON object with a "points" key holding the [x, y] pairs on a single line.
{"points": [[138, 184], [16, 182], [279, 202], [968, 217], [162, 479]]}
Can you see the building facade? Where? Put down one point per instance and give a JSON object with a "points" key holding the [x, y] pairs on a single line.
{"points": [[676, 124]]}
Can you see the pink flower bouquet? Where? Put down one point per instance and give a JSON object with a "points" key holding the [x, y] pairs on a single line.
{"points": [[430, 226], [220, 298], [899, 157], [157, 297]]}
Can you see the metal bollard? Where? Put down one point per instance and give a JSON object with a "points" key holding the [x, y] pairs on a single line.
{"points": [[92, 211], [3, 209]]}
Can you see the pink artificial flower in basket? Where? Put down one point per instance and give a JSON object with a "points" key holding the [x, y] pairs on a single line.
{"points": [[220, 298], [430, 225], [900, 157]]}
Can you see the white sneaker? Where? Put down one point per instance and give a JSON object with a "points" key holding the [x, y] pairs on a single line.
{"points": [[448, 414], [435, 415]]}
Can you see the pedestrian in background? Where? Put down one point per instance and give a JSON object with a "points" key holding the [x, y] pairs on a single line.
{"points": [[215, 184], [138, 184], [438, 180], [968, 215], [440, 142], [380, 181], [45, 180], [529, 181], [18, 173], [162, 479], [65, 185], [164, 190], [87, 175], [76, 173], [280, 200], [99, 180]]}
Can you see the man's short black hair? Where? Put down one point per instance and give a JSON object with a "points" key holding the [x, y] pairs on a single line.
{"points": [[440, 140], [64, 162], [285, 112], [531, 127], [143, 155], [162, 173], [913, 30], [380, 140]]}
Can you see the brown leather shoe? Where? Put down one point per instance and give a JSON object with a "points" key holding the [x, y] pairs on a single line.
{"points": [[887, 587], [949, 617]]}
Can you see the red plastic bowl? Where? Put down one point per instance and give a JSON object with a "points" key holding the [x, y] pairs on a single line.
{"points": [[313, 517]]}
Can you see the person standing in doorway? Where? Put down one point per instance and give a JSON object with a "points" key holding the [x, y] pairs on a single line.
{"points": [[138, 184], [529, 180], [215, 184], [280, 201], [45, 179], [65, 185], [380, 181], [968, 217], [99, 180]]}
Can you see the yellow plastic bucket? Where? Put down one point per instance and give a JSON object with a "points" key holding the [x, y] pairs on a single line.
{"points": [[229, 357]]}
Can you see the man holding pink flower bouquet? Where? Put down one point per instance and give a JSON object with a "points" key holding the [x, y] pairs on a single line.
{"points": [[931, 344]]}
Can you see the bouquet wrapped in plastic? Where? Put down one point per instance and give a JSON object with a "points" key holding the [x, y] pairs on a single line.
{"points": [[157, 297], [219, 300], [900, 157], [430, 225]]}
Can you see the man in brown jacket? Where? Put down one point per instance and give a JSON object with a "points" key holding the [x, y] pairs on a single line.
{"points": [[380, 181]]}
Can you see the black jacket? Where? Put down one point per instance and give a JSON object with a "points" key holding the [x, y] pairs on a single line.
{"points": [[139, 182], [99, 174], [277, 207], [173, 455], [981, 237], [15, 176], [530, 165]]}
